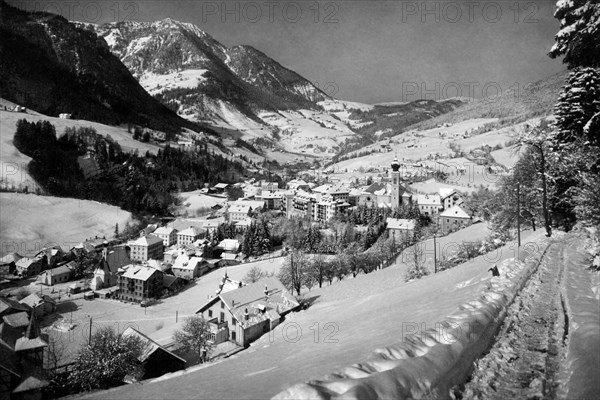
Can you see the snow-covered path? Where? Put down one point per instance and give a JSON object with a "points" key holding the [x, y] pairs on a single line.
{"points": [[527, 359]]}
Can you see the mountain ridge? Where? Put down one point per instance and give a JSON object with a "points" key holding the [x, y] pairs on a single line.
{"points": [[53, 66]]}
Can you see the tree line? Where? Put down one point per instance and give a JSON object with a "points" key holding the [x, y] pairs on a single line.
{"points": [[144, 185]]}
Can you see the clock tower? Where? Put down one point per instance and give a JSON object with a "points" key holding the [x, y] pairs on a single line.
{"points": [[396, 195]]}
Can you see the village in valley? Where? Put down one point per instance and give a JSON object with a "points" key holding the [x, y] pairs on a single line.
{"points": [[190, 260]]}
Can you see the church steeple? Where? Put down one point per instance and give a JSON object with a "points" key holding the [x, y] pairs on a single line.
{"points": [[395, 164]]}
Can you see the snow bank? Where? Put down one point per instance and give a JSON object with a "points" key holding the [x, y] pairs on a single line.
{"points": [[430, 364], [581, 305]]}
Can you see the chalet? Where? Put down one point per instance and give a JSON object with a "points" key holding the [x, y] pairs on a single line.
{"points": [[400, 229], [40, 304], [188, 268], [189, 235], [56, 275], [8, 263], [244, 314], [30, 266], [449, 197], [105, 274], [94, 245], [64, 116], [155, 359], [146, 248], [454, 218], [139, 283], [219, 188], [229, 245], [168, 235], [54, 255]]}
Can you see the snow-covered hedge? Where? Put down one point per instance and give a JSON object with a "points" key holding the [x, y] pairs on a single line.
{"points": [[430, 364]]}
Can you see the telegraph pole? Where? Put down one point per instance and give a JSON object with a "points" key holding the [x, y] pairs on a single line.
{"points": [[90, 336], [434, 255], [518, 214]]}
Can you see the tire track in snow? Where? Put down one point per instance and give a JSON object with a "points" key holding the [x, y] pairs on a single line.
{"points": [[525, 357]]}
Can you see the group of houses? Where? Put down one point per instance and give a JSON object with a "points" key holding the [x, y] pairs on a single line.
{"points": [[22, 346]]}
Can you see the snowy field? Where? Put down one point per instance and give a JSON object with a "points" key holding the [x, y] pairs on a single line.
{"points": [[186, 79], [8, 122], [29, 222], [195, 201], [347, 321]]}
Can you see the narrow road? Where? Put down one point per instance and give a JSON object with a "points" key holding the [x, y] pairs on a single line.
{"points": [[525, 358]]}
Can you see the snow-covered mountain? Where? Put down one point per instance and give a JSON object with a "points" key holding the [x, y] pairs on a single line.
{"points": [[237, 89], [49, 65]]}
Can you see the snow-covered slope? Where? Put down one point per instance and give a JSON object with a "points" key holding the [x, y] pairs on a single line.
{"points": [[232, 89]]}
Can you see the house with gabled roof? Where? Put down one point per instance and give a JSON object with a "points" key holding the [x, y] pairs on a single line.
{"points": [[40, 304], [139, 283], [155, 359], [8, 263], [455, 217], [400, 228], [55, 275], [188, 235], [10, 306], [27, 266], [167, 234], [449, 197], [146, 248], [188, 268], [238, 212], [105, 275], [247, 312], [429, 204]]}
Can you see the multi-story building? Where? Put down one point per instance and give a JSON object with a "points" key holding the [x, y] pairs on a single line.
{"points": [[429, 204], [140, 283], [238, 212], [167, 234], [188, 236], [146, 248]]}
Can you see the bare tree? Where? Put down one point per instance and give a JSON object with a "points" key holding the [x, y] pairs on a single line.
{"points": [[253, 275], [293, 273], [195, 336], [317, 268], [416, 261]]}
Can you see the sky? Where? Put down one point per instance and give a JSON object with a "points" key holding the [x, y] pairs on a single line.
{"points": [[368, 51]]}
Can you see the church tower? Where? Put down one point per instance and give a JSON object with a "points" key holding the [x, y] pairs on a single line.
{"points": [[396, 193]]}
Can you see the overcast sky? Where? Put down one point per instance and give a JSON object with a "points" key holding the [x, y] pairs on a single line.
{"points": [[369, 51]]}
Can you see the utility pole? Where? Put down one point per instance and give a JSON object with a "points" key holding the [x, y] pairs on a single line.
{"points": [[90, 336], [518, 214], [434, 255]]}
